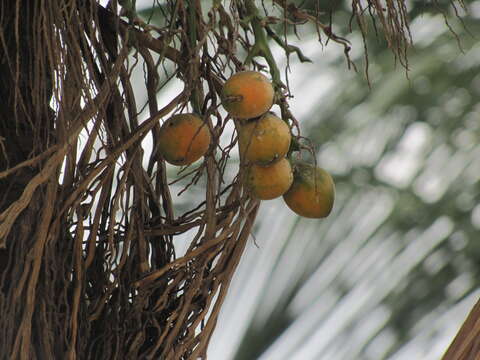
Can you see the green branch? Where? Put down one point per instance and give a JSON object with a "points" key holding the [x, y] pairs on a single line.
{"points": [[287, 47], [261, 48]]}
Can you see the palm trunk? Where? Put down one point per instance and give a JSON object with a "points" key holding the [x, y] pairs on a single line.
{"points": [[466, 345]]}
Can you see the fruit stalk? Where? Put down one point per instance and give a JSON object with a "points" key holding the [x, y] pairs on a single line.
{"points": [[261, 48]]}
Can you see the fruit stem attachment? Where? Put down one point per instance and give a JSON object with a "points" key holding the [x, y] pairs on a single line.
{"points": [[294, 146], [261, 48]]}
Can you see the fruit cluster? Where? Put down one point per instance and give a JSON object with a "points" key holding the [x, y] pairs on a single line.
{"points": [[264, 141]]}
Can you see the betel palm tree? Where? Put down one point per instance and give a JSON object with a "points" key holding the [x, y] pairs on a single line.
{"points": [[90, 264], [392, 273]]}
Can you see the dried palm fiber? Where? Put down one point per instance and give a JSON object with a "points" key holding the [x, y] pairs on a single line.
{"points": [[88, 267], [466, 345], [88, 263]]}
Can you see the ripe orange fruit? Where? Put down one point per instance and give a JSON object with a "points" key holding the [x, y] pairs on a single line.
{"points": [[183, 139], [265, 140], [247, 94], [269, 182], [312, 192]]}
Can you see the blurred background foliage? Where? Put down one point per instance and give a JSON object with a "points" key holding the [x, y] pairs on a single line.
{"points": [[392, 273]]}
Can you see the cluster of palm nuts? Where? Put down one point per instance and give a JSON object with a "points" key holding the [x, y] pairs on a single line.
{"points": [[264, 144]]}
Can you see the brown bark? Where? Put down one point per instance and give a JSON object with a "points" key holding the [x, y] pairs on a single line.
{"points": [[466, 344], [88, 268]]}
